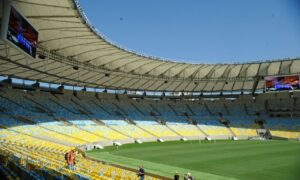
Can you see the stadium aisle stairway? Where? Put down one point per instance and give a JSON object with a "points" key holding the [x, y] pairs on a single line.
{"points": [[187, 130], [159, 130], [243, 126], [102, 131], [74, 132], [132, 131], [215, 131], [244, 132], [48, 134]]}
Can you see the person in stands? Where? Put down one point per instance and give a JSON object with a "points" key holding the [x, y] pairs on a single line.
{"points": [[66, 158], [176, 176], [141, 173], [71, 159], [188, 176], [185, 177]]}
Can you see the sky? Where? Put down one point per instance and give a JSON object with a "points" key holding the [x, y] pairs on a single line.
{"points": [[200, 31]]}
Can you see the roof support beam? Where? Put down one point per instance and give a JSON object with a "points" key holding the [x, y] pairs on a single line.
{"points": [[134, 61], [182, 70], [150, 85], [80, 44], [256, 81], [61, 28], [175, 64], [46, 5], [101, 56], [52, 16], [59, 20], [67, 37], [145, 63], [93, 50], [192, 76], [158, 64], [127, 82], [41, 72], [112, 61]]}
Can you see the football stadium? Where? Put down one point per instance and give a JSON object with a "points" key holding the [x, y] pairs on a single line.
{"points": [[74, 105]]}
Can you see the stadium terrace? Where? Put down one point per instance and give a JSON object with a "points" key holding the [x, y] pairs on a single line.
{"points": [[72, 111]]}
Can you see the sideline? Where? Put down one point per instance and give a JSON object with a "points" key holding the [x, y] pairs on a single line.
{"points": [[153, 169]]}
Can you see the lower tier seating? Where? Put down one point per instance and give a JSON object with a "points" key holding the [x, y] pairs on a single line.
{"points": [[213, 130], [159, 130], [186, 130], [285, 134], [244, 131], [48, 155], [132, 131]]}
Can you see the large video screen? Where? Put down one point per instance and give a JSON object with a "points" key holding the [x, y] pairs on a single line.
{"points": [[20, 33], [282, 83]]}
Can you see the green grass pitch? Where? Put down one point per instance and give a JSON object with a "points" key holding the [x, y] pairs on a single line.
{"points": [[267, 160]]}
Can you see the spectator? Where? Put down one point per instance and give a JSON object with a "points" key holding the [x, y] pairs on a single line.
{"points": [[66, 158], [185, 177], [71, 159], [188, 176], [176, 176], [141, 173]]}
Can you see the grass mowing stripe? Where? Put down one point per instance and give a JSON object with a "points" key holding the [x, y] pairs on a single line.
{"points": [[239, 159]]}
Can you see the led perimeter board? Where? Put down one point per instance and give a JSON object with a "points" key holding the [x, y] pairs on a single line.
{"points": [[17, 31]]}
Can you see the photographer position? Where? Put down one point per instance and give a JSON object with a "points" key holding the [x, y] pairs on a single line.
{"points": [[141, 173]]}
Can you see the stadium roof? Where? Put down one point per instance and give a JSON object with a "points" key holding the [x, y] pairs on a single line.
{"points": [[77, 54]]}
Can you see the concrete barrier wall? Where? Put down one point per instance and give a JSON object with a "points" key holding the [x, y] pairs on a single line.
{"points": [[195, 137], [243, 137], [153, 139], [219, 137], [148, 139], [125, 141], [171, 138]]}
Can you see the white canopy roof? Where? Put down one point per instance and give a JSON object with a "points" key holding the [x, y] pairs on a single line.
{"points": [[68, 40]]}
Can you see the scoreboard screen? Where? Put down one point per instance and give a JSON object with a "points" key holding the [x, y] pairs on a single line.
{"points": [[280, 83], [18, 32]]}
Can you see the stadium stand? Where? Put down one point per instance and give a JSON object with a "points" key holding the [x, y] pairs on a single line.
{"points": [[39, 124], [62, 118], [187, 131], [27, 150]]}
